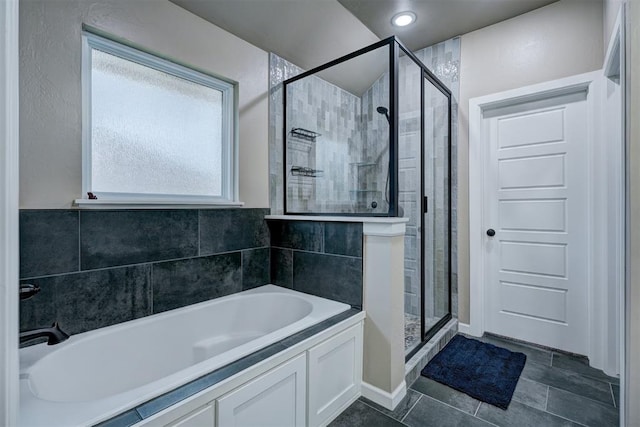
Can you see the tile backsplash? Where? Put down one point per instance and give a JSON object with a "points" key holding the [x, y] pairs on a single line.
{"points": [[98, 268], [319, 258]]}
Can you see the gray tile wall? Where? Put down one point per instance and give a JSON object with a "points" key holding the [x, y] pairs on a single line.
{"points": [[353, 142], [98, 268], [319, 258], [369, 170]]}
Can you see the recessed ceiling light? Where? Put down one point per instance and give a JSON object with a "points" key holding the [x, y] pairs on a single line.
{"points": [[403, 19]]}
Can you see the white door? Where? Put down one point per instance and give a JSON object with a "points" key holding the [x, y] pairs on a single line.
{"points": [[535, 200]]}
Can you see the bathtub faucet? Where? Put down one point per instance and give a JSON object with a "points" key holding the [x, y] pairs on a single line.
{"points": [[54, 334]]}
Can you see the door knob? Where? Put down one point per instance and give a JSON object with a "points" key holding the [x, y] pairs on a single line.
{"points": [[491, 232]]}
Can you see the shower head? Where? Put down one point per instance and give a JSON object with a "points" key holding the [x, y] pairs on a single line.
{"points": [[385, 111]]}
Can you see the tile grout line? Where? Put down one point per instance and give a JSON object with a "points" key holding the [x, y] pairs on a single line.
{"points": [[613, 396], [546, 401], [411, 409], [566, 419], [199, 243], [444, 403], [151, 288], [590, 377], [141, 263], [79, 241], [598, 402], [318, 253], [475, 414], [379, 411]]}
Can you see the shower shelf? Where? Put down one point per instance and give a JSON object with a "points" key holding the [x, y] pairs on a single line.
{"points": [[307, 135], [365, 191], [362, 164], [306, 172]]}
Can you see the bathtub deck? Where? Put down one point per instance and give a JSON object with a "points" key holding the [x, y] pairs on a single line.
{"points": [[163, 402]]}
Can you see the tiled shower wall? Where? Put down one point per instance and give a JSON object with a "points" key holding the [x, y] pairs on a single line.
{"points": [[334, 114], [98, 268], [443, 60], [374, 169], [345, 151]]}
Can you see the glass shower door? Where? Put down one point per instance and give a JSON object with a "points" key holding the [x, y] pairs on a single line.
{"points": [[436, 207]]}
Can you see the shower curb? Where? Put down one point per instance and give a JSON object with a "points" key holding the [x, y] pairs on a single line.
{"points": [[414, 366]]}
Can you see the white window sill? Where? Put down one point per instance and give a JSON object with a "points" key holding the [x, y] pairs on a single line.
{"points": [[152, 204]]}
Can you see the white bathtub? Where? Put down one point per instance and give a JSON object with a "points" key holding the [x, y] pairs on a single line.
{"points": [[98, 374]]}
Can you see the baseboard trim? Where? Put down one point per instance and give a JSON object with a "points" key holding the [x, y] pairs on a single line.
{"points": [[385, 399], [464, 328], [340, 411]]}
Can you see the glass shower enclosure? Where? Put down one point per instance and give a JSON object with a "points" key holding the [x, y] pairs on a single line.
{"points": [[369, 134]]}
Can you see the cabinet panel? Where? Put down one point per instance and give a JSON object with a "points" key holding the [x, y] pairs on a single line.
{"points": [[335, 374], [204, 417], [277, 398]]}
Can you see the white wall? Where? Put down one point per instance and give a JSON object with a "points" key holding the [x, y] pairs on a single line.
{"points": [[559, 40], [50, 91]]}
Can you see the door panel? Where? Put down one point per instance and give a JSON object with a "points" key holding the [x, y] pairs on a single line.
{"points": [[531, 172], [531, 129], [534, 301], [536, 200], [533, 215], [547, 259]]}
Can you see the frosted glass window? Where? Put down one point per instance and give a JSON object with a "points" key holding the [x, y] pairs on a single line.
{"points": [[155, 133]]}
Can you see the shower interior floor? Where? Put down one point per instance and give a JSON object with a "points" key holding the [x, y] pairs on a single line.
{"points": [[412, 330]]}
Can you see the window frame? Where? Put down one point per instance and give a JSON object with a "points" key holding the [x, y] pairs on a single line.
{"points": [[229, 161]]}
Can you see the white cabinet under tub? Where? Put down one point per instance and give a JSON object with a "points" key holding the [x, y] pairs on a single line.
{"points": [[275, 399], [335, 375], [198, 418], [309, 384]]}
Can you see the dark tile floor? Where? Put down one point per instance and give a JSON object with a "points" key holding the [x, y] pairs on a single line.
{"points": [[554, 390]]}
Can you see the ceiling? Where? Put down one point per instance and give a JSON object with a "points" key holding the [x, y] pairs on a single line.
{"points": [[312, 32], [437, 20]]}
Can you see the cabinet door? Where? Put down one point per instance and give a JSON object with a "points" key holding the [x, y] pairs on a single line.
{"points": [[203, 417], [276, 398], [335, 374]]}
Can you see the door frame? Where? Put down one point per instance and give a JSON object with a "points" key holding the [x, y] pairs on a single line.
{"points": [[9, 204], [477, 137]]}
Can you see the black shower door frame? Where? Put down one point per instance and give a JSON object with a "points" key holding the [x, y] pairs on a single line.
{"points": [[426, 335], [396, 48]]}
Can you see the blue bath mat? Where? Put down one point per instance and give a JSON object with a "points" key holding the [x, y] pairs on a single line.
{"points": [[483, 371]]}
